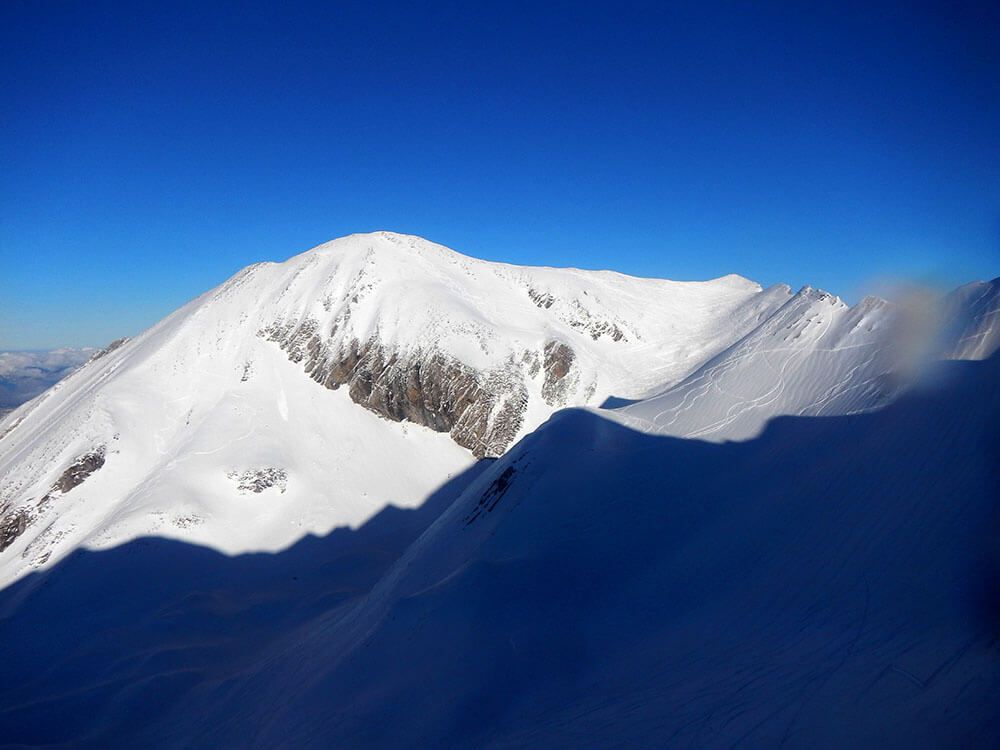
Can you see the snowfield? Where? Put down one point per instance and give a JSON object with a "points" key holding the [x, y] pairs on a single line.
{"points": [[339, 501]]}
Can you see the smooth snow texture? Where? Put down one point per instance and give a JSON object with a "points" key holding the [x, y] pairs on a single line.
{"points": [[203, 394]]}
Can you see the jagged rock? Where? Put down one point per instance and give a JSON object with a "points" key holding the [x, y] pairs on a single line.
{"points": [[542, 299], [557, 365], [12, 525], [79, 470], [483, 411]]}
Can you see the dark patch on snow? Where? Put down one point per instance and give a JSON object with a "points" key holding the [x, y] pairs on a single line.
{"points": [[483, 411], [13, 525], [558, 362], [489, 499], [80, 470]]}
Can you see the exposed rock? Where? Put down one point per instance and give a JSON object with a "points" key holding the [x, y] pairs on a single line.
{"points": [[116, 344], [12, 525], [258, 480], [79, 470], [558, 363], [483, 411], [541, 299], [14, 522]]}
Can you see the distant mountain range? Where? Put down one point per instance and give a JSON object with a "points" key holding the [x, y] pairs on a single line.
{"points": [[25, 374]]}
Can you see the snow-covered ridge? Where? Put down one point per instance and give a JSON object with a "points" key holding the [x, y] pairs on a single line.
{"points": [[451, 358], [231, 385]]}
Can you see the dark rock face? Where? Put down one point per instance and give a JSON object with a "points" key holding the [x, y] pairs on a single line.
{"points": [[79, 470], [13, 522], [482, 411], [12, 525], [557, 365], [543, 300]]}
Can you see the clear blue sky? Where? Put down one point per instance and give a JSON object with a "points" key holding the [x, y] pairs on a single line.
{"points": [[150, 152]]}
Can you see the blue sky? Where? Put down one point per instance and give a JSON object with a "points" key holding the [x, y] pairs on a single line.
{"points": [[149, 153]]}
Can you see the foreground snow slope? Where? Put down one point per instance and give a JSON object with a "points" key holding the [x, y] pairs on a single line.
{"points": [[831, 583], [225, 424]]}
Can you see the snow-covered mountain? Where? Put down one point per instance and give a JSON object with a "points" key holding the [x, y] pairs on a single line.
{"points": [[295, 452], [226, 423], [235, 422]]}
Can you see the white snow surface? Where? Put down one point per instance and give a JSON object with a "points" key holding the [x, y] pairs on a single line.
{"points": [[202, 395]]}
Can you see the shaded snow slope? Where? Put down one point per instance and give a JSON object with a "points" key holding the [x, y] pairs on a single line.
{"points": [[972, 314], [226, 423], [817, 356], [831, 583], [814, 356]]}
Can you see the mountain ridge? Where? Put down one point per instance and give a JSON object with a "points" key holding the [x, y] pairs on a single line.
{"points": [[228, 422]]}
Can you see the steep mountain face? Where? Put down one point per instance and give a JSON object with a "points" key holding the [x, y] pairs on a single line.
{"points": [[235, 422]]}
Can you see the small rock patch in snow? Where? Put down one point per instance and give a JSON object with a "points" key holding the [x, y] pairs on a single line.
{"points": [[258, 480]]}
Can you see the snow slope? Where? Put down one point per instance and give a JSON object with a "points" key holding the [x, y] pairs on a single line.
{"points": [[815, 355], [215, 427], [831, 583]]}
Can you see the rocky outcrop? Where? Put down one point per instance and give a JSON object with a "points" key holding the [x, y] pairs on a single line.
{"points": [[558, 363], [258, 480], [79, 470], [14, 521], [482, 411], [116, 344], [12, 525]]}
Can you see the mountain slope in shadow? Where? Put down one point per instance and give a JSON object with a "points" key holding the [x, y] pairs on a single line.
{"points": [[105, 641], [831, 583]]}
